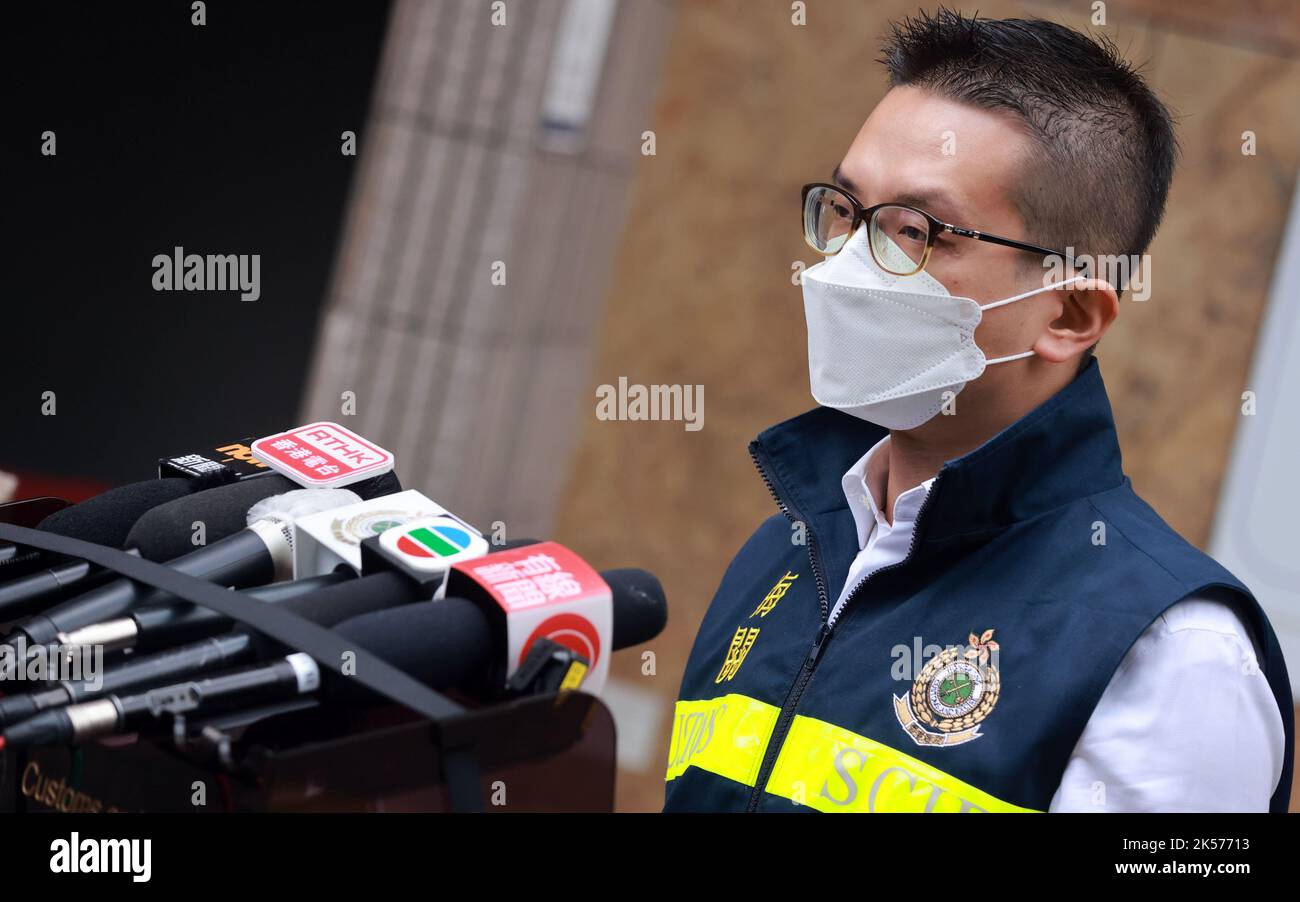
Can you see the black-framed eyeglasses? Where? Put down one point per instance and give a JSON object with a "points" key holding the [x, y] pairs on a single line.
{"points": [[901, 237]]}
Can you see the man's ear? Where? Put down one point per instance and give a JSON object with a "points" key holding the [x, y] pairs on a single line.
{"points": [[1088, 308]]}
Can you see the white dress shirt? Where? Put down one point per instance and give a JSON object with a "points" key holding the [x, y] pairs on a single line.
{"points": [[1188, 721]]}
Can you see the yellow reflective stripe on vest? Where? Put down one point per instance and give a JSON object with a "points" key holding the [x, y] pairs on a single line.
{"points": [[725, 736], [820, 765], [831, 769]]}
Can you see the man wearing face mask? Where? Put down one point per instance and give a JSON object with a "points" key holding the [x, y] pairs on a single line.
{"points": [[962, 605]]}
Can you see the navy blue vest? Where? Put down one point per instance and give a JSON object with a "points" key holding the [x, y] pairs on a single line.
{"points": [[961, 678]]}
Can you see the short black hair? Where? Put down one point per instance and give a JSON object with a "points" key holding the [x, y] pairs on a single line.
{"points": [[1106, 142]]}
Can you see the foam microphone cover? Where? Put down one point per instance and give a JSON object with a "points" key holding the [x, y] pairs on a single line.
{"points": [[355, 597], [440, 643], [166, 532], [640, 608], [108, 517]]}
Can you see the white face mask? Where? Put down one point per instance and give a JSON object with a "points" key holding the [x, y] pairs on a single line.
{"points": [[886, 348]]}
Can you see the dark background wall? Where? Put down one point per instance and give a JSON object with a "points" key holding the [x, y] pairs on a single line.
{"points": [[223, 138]]}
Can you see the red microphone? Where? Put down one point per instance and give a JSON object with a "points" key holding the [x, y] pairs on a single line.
{"points": [[542, 591]]}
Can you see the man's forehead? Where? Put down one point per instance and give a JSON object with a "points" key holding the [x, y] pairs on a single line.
{"points": [[952, 159], [944, 201]]}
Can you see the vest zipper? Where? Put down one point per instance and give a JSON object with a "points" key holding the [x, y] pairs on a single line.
{"points": [[786, 717], [911, 546], [795, 517]]}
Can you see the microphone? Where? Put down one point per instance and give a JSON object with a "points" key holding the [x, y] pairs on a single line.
{"points": [[26, 594], [295, 674], [112, 518], [257, 554], [323, 541], [317, 598], [324, 599], [105, 519], [108, 517], [640, 607], [454, 642], [153, 626], [167, 531], [446, 644], [543, 592]]}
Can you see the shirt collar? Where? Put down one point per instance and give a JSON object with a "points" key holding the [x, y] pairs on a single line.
{"points": [[866, 481], [1064, 449]]}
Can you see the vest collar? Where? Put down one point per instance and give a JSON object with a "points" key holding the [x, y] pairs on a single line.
{"points": [[1062, 450]]}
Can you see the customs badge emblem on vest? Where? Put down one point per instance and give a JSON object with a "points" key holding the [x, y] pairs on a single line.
{"points": [[953, 692]]}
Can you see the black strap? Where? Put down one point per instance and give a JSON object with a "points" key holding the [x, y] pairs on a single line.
{"points": [[326, 648]]}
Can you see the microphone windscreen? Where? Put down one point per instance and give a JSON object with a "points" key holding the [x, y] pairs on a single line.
{"points": [[640, 608], [354, 597], [440, 643], [167, 531], [108, 517]]}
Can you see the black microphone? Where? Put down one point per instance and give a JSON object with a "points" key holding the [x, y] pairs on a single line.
{"points": [[324, 599], [448, 643], [105, 519], [113, 518], [158, 626], [108, 517], [292, 675], [28, 594], [445, 644], [242, 556], [167, 531], [640, 607], [154, 626]]}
